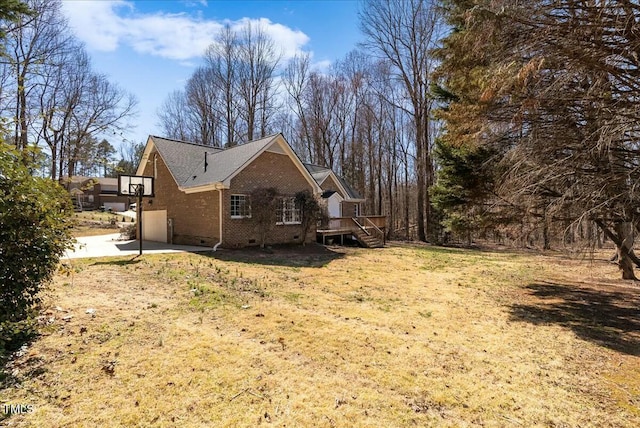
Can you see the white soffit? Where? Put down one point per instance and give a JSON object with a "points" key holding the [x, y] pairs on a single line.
{"points": [[276, 148]]}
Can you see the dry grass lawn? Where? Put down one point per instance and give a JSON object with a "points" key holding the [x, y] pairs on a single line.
{"points": [[92, 223], [342, 337]]}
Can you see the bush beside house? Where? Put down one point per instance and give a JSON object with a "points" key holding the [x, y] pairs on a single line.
{"points": [[35, 214]]}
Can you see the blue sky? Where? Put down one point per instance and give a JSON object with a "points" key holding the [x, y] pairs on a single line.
{"points": [[150, 48]]}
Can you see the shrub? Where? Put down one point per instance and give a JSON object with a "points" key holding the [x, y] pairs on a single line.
{"points": [[128, 232], [35, 214], [263, 211], [310, 212]]}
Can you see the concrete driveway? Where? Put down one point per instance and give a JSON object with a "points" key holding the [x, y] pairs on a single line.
{"points": [[109, 246]]}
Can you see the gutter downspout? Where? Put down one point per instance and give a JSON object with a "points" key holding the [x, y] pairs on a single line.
{"points": [[215, 247]]}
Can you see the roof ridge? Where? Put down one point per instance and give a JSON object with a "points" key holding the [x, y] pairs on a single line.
{"points": [[229, 151], [270, 136], [188, 142]]}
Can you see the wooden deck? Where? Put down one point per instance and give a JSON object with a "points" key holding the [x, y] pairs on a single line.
{"points": [[360, 228]]}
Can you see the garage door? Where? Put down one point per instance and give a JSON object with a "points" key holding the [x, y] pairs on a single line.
{"points": [[154, 225], [114, 206]]}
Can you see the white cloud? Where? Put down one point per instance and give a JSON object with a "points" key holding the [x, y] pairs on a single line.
{"points": [[322, 66], [286, 39], [107, 25], [170, 36], [96, 23]]}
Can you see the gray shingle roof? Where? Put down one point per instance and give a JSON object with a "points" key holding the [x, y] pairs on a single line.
{"points": [[181, 158], [225, 163], [320, 173], [186, 161], [351, 192]]}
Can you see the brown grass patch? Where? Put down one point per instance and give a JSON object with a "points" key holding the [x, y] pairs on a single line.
{"points": [[400, 336], [92, 223]]}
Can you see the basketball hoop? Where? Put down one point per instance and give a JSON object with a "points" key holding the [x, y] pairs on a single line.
{"points": [[136, 189], [138, 186]]}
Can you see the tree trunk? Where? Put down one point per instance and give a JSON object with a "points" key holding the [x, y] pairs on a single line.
{"points": [[407, 228], [546, 239], [625, 232], [622, 236], [421, 182]]}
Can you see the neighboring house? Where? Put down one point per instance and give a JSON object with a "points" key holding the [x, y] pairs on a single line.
{"points": [[88, 193], [202, 193]]}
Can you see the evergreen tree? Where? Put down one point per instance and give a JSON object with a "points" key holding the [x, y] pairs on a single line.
{"points": [[552, 89]]}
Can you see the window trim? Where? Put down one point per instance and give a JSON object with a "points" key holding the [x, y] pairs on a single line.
{"points": [[247, 200], [282, 208]]}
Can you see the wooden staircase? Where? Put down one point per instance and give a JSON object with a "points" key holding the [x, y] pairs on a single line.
{"points": [[366, 239]]}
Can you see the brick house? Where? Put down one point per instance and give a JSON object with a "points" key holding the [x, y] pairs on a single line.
{"points": [[89, 193], [202, 193]]}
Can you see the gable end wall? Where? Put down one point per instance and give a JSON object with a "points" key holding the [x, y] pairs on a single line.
{"points": [[194, 216], [330, 184], [347, 208], [268, 170]]}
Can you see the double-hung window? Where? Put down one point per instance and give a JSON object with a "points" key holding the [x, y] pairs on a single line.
{"points": [[240, 206], [287, 212]]}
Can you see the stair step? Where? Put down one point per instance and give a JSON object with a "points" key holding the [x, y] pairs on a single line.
{"points": [[367, 240]]}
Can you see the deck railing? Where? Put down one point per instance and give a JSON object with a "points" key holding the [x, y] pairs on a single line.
{"points": [[346, 223], [378, 220], [376, 231]]}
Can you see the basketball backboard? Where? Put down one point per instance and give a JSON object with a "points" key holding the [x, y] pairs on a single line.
{"points": [[130, 185]]}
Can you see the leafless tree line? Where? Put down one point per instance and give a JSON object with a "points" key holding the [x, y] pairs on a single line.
{"points": [[230, 99], [49, 95]]}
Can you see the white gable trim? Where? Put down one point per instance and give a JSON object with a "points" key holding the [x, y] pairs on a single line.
{"points": [[146, 158], [146, 155], [341, 187], [277, 145]]}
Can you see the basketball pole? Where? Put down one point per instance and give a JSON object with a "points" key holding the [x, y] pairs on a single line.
{"points": [[140, 191], [133, 185]]}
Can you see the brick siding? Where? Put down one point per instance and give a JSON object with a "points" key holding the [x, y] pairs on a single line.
{"points": [[195, 216], [268, 170]]}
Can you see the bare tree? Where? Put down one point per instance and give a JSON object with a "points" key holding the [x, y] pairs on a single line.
{"points": [[105, 108], [257, 61], [50, 94], [295, 81], [233, 96], [404, 32], [34, 42], [222, 59], [130, 156], [174, 117], [202, 98], [59, 95]]}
